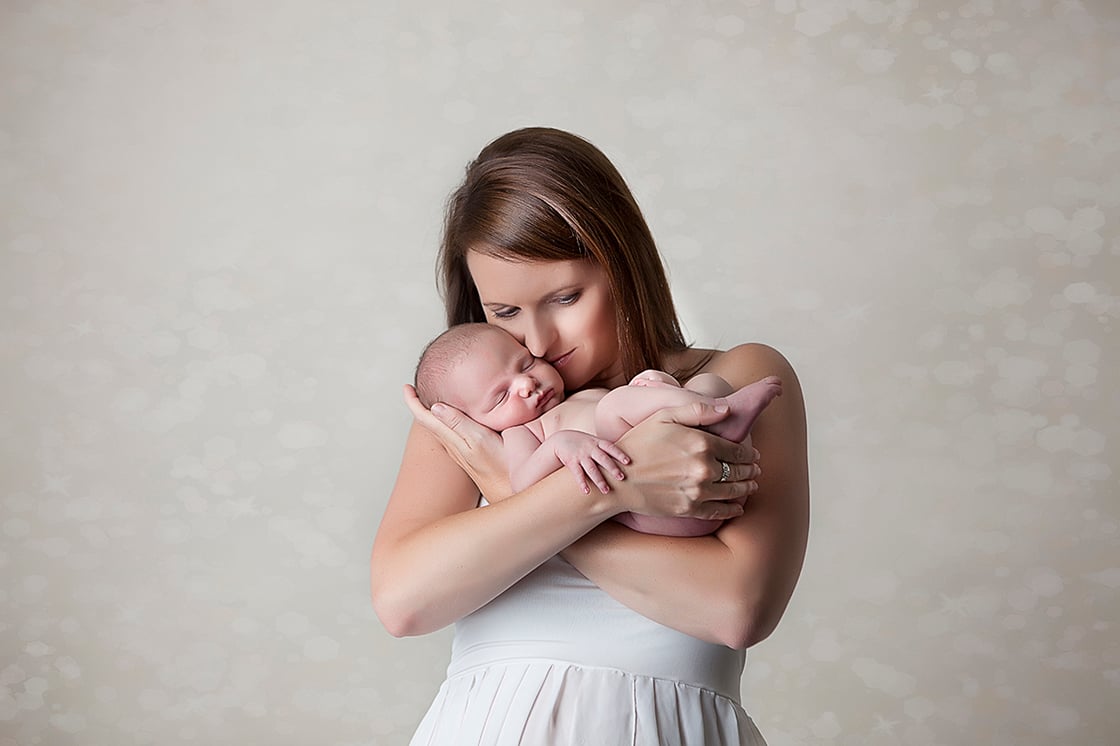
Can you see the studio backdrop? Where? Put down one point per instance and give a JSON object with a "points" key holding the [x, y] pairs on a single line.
{"points": [[218, 225]]}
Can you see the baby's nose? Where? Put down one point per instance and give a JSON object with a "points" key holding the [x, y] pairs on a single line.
{"points": [[527, 385]]}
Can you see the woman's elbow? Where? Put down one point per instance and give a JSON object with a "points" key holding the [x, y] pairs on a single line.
{"points": [[398, 618], [397, 625], [745, 635], [747, 624]]}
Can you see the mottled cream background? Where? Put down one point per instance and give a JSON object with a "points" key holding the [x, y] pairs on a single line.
{"points": [[217, 230]]}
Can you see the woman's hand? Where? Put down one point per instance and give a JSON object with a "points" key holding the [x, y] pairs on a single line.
{"points": [[675, 468], [474, 447]]}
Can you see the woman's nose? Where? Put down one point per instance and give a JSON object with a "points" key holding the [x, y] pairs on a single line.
{"points": [[539, 336]]}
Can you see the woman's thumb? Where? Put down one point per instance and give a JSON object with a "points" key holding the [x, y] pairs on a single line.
{"points": [[442, 412], [698, 414]]}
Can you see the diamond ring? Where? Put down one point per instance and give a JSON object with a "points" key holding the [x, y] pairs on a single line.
{"points": [[726, 473]]}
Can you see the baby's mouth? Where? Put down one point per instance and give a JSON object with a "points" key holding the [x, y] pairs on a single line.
{"points": [[544, 399]]}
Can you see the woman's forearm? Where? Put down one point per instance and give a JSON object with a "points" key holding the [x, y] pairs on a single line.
{"points": [[437, 558], [458, 564], [730, 588]]}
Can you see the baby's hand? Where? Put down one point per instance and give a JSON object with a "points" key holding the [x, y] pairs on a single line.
{"points": [[585, 456]]}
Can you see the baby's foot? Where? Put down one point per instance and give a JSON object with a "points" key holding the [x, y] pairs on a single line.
{"points": [[746, 404]]}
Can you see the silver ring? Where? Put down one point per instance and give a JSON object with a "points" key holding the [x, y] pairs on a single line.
{"points": [[726, 474]]}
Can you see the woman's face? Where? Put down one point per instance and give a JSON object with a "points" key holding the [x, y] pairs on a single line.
{"points": [[562, 311]]}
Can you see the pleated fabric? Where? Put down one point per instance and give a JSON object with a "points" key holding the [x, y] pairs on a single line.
{"points": [[555, 661], [555, 703]]}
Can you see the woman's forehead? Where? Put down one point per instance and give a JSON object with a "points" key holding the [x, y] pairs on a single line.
{"points": [[500, 280]]}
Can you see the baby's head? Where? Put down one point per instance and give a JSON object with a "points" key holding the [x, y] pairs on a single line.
{"points": [[488, 375]]}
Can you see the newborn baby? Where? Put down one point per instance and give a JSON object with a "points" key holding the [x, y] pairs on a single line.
{"points": [[489, 376]]}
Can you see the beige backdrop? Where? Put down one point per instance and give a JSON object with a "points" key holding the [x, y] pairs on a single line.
{"points": [[219, 222]]}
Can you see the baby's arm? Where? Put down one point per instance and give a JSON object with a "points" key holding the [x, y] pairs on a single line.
{"points": [[585, 456], [528, 462]]}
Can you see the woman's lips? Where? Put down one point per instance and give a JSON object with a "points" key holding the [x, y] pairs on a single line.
{"points": [[561, 360]]}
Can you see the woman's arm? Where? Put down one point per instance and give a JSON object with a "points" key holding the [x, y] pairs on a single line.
{"points": [[436, 558], [731, 587]]}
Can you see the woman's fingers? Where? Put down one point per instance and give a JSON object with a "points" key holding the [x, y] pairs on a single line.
{"points": [[724, 511], [700, 414], [694, 414], [425, 416], [446, 421], [735, 472], [677, 469], [476, 448], [743, 454]]}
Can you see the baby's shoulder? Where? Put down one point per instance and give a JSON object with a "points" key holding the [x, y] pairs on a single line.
{"points": [[576, 412], [586, 396]]}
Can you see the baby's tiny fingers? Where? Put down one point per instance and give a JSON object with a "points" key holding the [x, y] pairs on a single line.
{"points": [[617, 453], [607, 461], [592, 470], [577, 470]]}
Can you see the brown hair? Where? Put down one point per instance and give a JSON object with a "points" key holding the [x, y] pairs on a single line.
{"points": [[441, 356], [542, 194]]}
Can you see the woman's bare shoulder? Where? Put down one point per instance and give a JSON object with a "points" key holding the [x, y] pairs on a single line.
{"points": [[746, 363]]}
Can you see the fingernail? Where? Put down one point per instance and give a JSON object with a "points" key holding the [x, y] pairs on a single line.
{"points": [[721, 408], [757, 455], [438, 409]]}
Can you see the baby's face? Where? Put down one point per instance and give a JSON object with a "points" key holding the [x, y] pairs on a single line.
{"points": [[500, 385]]}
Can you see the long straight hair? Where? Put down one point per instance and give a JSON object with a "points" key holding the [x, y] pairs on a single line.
{"points": [[542, 194]]}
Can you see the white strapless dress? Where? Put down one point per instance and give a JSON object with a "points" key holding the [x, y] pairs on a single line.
{"points": [[555, 661]]}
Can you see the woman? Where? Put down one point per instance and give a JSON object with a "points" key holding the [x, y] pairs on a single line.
{"points": [[571, 628]]}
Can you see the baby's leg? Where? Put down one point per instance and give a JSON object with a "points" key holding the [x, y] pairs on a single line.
{"points": [[655, 378], [708, 384], [626, 406]]}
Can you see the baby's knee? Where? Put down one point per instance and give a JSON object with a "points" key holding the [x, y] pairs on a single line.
{"points": [[654, 378], [709, 384]]}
